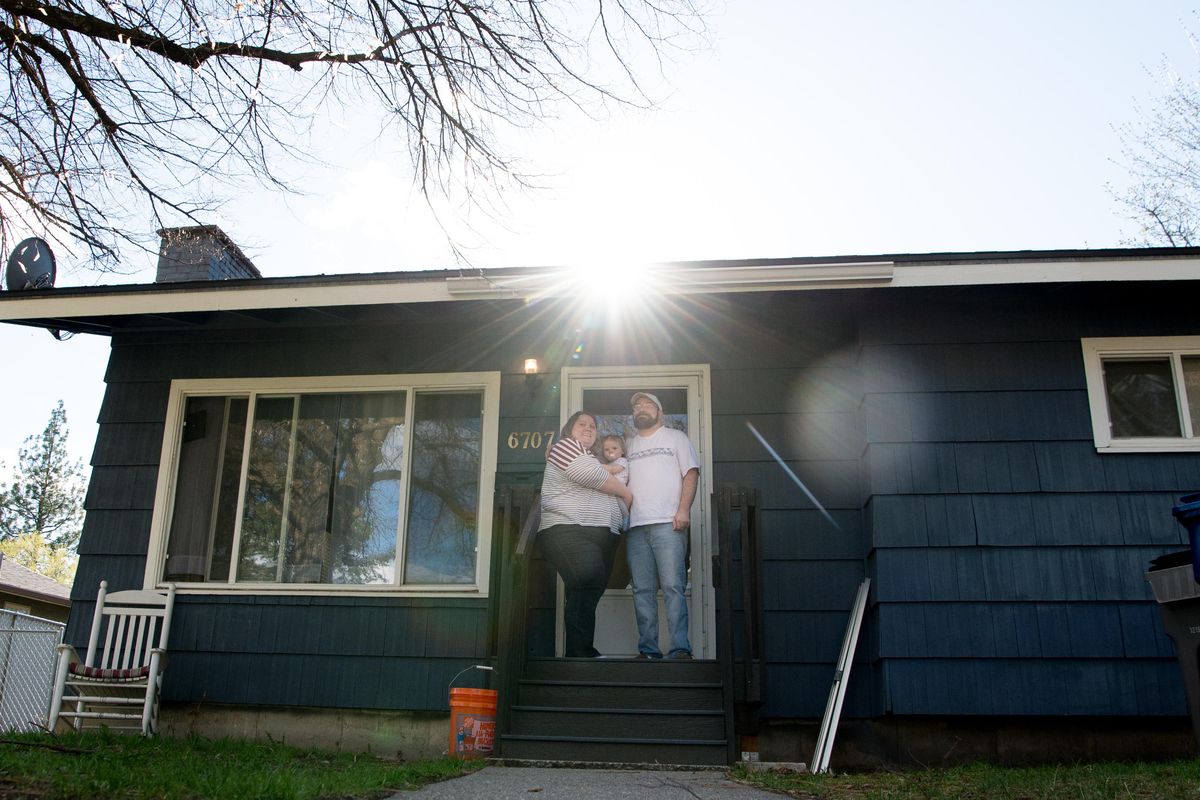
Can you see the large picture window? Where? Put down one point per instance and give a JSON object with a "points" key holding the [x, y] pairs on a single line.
{"points": [[336, 484], [1144, 393]]}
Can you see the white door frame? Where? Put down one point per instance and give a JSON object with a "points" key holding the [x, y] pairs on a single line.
{"points": [[696, 378]]}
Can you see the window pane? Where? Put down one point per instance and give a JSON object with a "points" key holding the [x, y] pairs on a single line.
{"points": [[343, 509], [615, 416], [444, 493], [230, 482], [1141, 398], [266, 478], [1191, 382], [211, 446]]}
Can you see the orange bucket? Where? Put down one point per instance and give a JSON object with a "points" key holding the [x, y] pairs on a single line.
{"points": [[472, 722]]}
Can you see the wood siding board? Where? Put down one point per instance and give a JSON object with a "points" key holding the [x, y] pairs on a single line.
{"points": [[895, 417], [1145, 519], [1142, 631], [890, 469], [803, 637], [994, 467], [134, 402], [934, 468], [1040, 415], [115, 532], [955, 687], [121, 487], [1076, 519], [989, 313], [999, 467], [834, 483], [968, 366], [453, 633], [1004, 519], [1076, 467], [307, 680], [813, 388], [819, 436], [952, 521], [785, 702], [913, 521], [128, 444], [121, 572], [827, 585], [792, 534], [1012, 574], [973, 416], [897, 521], [961, 576]]}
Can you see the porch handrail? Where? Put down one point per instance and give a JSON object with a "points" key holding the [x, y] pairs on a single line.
{"points": [[743, 675], [521, 503]]}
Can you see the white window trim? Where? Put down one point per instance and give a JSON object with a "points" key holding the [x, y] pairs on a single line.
{"points": [[1094, 350], [164, 496]]}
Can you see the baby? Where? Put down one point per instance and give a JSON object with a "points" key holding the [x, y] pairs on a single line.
{"points": [[612, 448]]}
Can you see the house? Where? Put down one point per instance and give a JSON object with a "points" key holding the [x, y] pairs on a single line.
{"points": [[26, 592], [336, 470]]}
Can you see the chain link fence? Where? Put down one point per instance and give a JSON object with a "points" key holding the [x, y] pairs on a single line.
{"points": [[26, 669]]}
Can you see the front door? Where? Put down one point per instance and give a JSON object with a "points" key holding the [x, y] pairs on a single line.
{"points": [[684, 392]]}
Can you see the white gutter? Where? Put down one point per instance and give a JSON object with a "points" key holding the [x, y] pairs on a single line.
{"points": [[667, 279]]}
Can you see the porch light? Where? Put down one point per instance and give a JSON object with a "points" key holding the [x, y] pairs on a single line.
{"points": [[533, 381]]}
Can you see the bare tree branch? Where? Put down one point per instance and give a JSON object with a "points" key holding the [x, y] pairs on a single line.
{"points": [[1162, 153], [118, 109]]}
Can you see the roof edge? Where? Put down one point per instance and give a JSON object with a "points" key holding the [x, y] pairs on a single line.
{"points": [[48, 307]]}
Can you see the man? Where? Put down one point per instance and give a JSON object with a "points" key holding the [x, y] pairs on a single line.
{"points": [[663, 474]]}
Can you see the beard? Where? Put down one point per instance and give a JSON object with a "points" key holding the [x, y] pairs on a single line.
{"points": [[644, 421]]}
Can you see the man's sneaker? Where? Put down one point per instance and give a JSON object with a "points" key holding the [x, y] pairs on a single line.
{"points": [[680, 657], [647, 657]]}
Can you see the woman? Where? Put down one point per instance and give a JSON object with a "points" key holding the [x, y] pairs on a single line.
{"points": [[581, 517]]}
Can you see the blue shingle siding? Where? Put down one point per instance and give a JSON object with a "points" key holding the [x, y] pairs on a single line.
{"points": [[946, 431], [807, 405], [353, 652], [364, 653], [1033, 686], [1008, 556]]}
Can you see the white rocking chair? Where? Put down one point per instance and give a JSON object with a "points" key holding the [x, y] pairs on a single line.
{"points": [[115, 678]]}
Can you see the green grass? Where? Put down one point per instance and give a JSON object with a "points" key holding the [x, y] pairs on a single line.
{"points": [[115, 767], [1177, 780]]}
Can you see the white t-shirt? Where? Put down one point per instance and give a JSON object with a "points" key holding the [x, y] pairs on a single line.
{"points": [[657, 464]]}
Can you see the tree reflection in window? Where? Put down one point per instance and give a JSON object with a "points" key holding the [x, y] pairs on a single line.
{"points": [[444, 495], [341, 465], [1141, 398], [324, 496]]}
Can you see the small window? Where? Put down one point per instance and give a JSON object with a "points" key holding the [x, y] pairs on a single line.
{"points": [[279, 486], [1144, 393]]}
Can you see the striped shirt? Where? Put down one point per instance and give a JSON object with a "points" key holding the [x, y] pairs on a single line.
{"points": [[570, 489]]}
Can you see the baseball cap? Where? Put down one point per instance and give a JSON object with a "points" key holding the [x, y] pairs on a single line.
{"points": [[649, 397]]}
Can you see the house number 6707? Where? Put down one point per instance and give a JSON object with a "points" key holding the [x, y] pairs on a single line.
{"points": [[524, 440]]}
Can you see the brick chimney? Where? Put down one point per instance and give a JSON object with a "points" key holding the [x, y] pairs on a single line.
{"points": [[201, 253]]}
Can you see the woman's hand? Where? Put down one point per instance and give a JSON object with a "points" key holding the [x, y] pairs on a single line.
{"points": [[626, 497], [617, 489]]}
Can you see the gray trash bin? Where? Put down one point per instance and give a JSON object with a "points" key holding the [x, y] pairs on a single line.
{"points": [[1178, 597]]}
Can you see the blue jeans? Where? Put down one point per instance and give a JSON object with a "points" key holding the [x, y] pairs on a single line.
{"points": [[658, 559], [583, 557]]}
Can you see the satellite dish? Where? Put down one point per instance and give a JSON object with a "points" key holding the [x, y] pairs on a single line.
{"points": [[31, 266]]}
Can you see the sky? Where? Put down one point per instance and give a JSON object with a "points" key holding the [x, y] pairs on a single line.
{"points": [[798, 129]]}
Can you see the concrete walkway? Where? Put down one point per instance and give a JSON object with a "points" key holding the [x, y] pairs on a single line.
{"points": [[543, 783]]}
